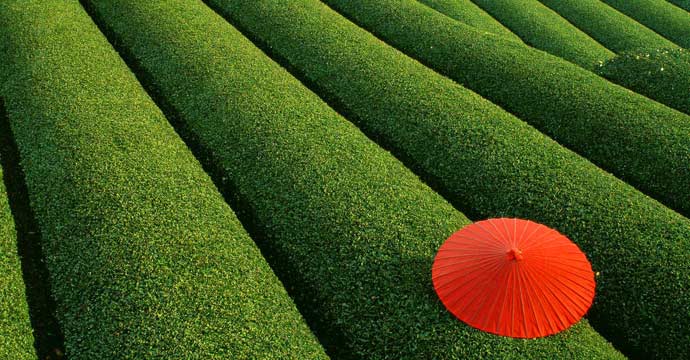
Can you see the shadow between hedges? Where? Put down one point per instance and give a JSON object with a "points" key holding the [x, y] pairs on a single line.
{"points": [[48, 337]]}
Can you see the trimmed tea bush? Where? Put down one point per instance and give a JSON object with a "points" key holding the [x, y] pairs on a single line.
{"points": [[639, 140], [608, 26], [469, 13], [146, 260], [351, 229], [489, 164], [544, 29], [663, 75], [670, 21]]}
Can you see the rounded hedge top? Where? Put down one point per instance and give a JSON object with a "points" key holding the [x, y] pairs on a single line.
{"points": [[661, 74]]}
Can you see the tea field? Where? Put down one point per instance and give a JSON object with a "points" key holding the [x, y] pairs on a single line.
{"points": [[264, 179]]}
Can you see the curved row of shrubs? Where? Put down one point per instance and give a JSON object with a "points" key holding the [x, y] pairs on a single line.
{"points": [[666, 19], [146, 259], [469, 13], [350, 229], [685, 4], [637, 139], [662, 74], [647, 63], [16, 337], [608, 26], [490, 164], [542, 28], [545, 29]]}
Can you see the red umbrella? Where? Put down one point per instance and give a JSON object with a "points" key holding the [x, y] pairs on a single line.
{"points": [[514, 278]]}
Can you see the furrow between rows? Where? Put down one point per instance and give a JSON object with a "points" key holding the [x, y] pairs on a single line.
{"points": [[16, 333]]}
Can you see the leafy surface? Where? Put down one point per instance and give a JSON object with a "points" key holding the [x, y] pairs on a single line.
{"points": [[640, 141], [16, 338], [663, 75], [490, 164], [469, 13], [608, 26], [351, 229], [542, 28], [146, 259], [659, 15]]}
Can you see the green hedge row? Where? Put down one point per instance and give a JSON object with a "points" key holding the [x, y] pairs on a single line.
{"points": [[639, 140], [545, 29], [146, 259], [542, 28], [670, 21], [663, 75], [608, 26], [16, 335], [685, 4], [470, 14], [349, 226], [490, 164]]}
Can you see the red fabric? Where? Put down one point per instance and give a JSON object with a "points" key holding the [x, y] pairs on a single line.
{"points": [[514, 278]]}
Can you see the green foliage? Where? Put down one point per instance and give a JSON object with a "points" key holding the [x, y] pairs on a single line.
{"points": [[608, 26], [489, 163], [146, 259], [670, 21], [640, 141], [663, 75], [544, 29], [351, 229], [469, 13], [685, 4], [16, 338]]}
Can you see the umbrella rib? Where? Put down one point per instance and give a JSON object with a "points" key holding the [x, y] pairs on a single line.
{"points": [[501, 274], [461, 285], [480, 225], [521, 238], [487, 293], [512, 236], [539, 291], [504, 302], [566, 270], [475, 231], [551, 279], [512, 313], [474, 270], [528, 238], [479, 249], [543, 238], [530, 290], [522, 300], [503, 238]]}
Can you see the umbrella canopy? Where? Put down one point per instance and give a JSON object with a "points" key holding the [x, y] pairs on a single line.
{"points": [[513, 277]]}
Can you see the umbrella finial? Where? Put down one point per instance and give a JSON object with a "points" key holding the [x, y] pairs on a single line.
{"points": [[515, 254]]}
